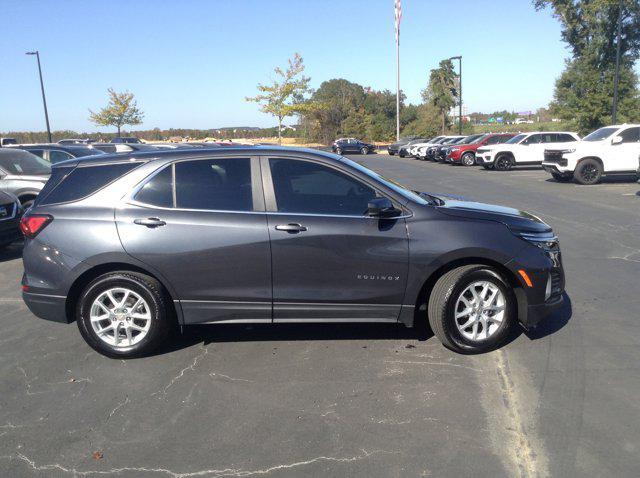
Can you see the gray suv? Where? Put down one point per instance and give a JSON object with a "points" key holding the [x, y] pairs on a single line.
{"points": [[130, 246], [22, 174]]}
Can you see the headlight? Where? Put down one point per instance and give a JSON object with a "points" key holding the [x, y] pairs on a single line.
{"points": [[546, 241]]}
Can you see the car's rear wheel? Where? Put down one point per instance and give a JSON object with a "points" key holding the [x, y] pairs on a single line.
{"points": [[589, 171], [339, 151], [391, 153], [468, 159], [124, 314], [364, 150], [401, 154], [503, 162], [471, 309]]}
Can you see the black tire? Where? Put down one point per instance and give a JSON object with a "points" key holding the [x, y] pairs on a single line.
{"points": [[503, 162], [561, 178], [27, 204], [487, 166], [468, 159], [364, 150], [339, 151], [391, 153], [588, 172], [401, 154], [162, 316], [442, 303]]}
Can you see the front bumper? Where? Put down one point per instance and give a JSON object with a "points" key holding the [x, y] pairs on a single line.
{"points": [[555, 168], [546, 273]]}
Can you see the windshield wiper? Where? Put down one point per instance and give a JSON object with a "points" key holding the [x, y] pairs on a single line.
{"points": [[433, 200]]}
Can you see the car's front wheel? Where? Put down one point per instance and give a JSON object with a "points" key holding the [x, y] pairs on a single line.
{"points": [[468, 159], [589, 171], [124, 314], [503, 163], [471, 309]]}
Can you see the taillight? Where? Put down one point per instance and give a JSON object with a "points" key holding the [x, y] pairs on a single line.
{"points": [[32, 224]]}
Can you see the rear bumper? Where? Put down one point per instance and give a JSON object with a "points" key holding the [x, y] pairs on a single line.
{"points": [[47, 307]]}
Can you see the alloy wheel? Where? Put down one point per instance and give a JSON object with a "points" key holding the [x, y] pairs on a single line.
{"points": [[120, 317], [468, 159], [589, 173], [480, 311]]}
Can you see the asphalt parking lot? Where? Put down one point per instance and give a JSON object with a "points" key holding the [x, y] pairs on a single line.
{"points": [[353, 400]]}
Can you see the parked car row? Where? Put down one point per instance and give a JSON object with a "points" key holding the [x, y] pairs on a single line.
{"points": [[612, 150]]}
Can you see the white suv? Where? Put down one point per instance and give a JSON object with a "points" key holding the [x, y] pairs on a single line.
{"points": [[609, 150], [522, 150]]}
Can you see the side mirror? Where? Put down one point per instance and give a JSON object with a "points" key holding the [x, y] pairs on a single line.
{"points": [[616, 140], [382, 208]]}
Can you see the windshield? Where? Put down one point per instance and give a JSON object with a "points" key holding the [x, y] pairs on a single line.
{"points": [[450, 140], [24, 163], [397, 187], [474, 138], [516, 139], [600, 134]]}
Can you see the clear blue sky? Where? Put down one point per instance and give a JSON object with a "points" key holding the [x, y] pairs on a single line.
{"points": [[191, 63]]}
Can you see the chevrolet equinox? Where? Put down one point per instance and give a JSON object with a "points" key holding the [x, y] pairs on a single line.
{"points": [[131, 246]]}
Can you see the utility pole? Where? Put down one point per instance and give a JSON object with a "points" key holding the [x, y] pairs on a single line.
{"points": [[44, 99], [616, 80], [459, 58]]}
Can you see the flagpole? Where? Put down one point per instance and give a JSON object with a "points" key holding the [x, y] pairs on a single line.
{"points": [[398, 91]]}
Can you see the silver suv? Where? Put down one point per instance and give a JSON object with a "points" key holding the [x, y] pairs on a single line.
{"points": [[23, 174]]}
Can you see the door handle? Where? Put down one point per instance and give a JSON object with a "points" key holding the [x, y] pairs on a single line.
{"points": [[292, 228], [150, 222]]}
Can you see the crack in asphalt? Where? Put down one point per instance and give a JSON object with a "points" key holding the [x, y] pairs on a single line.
{"points": [[225, 472]]}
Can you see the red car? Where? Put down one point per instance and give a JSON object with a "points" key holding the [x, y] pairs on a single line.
{"points": [[466, 153]]}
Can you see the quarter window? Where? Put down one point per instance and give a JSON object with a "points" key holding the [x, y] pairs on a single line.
{"points": [[214, 184], [158, 191], [306, 187]]}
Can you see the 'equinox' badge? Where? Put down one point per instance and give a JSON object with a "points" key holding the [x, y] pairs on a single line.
{"points": [[376, 277]]}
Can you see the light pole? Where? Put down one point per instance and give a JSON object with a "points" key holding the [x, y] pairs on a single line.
{"points": [[616, 80], [44, 99], [459, 58]]}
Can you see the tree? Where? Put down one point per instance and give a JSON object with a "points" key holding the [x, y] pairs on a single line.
{"points": [[441, 91], [285, 97], [584, 91], [121, 110]]}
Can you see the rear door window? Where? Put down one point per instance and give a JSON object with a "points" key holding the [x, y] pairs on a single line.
{"points": [[565, 138], [214, 184]]}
